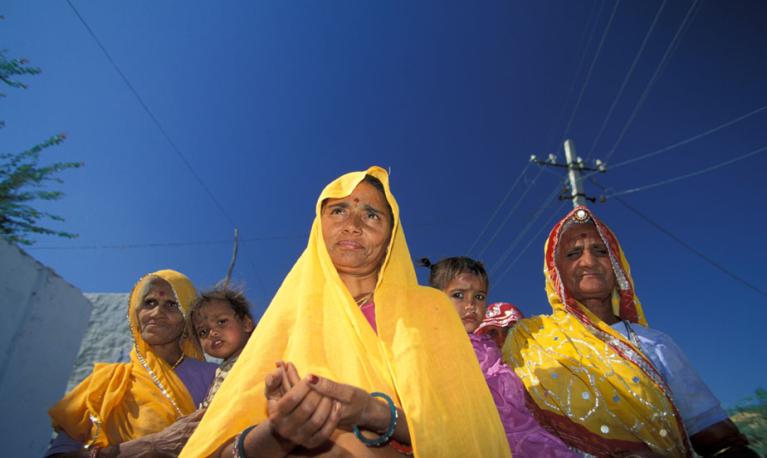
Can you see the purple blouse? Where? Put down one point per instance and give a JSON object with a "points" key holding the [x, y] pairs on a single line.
{"points": [[526, 437], [197, 377]]}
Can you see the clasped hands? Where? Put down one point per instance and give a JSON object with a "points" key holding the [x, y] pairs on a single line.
{"points": [[306, 411]]}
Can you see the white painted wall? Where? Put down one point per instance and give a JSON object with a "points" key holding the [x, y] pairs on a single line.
{"points": [[43, 322]]}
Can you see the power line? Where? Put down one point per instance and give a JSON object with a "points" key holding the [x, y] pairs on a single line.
{"points": [[526, 228], [162, 131], [592, 26], [691, 174], [652, 81], [687, 246], [591, 69], [508, 216], [685, 141], [627, 77], [532, 239], [498, 207], [121, 246], [151, 115]]}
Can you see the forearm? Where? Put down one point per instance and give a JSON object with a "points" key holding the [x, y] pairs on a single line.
{"points": [[261, 441], [378, 417], [721, 440]]}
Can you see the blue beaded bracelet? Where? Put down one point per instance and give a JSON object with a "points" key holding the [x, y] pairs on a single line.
{"points": [[384, 438]]}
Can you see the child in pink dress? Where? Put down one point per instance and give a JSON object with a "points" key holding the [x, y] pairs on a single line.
{"points": [[465, 282]]}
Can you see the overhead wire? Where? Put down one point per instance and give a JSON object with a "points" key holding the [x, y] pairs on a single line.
{"points": [[546, 203], [498, 208], [665, 149], [162, 130], [691, 174], [687, 246], [651, 82], [544, 226], [591, 69], [627, 78], [121, 246], [592, 28], [508, 215]]}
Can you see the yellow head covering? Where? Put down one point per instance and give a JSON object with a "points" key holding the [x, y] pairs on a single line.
{"points": [[590, 384], [118, 402], [425, 364]]}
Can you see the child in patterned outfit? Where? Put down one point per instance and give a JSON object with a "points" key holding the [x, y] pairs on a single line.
{"points": [[223, 324]]}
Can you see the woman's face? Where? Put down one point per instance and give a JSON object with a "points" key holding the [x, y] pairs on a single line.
{"points": [[469, 294], [159, 317], [584, 264], [356, 230]]}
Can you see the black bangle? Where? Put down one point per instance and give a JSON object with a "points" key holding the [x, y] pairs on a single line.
{"points": [[239, 442]]}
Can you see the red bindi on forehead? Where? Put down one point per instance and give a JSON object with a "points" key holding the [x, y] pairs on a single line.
{"points": [[161, 293]]}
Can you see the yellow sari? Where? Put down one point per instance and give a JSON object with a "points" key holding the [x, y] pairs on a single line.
{"points": [[420, 356], [590, 385], [118, 402]]}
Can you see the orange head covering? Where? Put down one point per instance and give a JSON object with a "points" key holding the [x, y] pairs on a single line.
{"points": [[118, 402]]}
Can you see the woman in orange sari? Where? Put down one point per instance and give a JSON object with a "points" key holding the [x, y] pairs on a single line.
{"points": [[119, 404], [599, 377]]}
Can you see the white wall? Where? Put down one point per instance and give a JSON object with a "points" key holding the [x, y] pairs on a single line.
{"points": [[43, 322]]}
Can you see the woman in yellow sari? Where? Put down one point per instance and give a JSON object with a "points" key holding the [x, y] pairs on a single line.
{"points": [[599, 377], [351, 317], [109, 412]]}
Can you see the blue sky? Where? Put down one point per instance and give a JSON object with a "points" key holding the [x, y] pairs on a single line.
{"points": [[269, 101]]}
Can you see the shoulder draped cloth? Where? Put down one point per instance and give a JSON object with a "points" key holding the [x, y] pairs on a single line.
{"points": [[592, 386], [118, 402], [426, 365]]}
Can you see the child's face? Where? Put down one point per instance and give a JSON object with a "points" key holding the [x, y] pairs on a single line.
{"points": [[221, 333], [497, 334], [469, 294]]}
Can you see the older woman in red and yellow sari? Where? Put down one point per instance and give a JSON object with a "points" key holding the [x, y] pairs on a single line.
{"points": [[125, 409], [599, 377], [381, 377]]}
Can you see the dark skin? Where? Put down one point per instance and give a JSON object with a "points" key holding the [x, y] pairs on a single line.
{"points": [[584, 265], [312, 416]]}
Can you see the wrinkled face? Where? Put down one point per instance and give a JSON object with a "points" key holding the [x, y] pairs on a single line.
{"points": [[356, 230], [222, 334], [469, 294], [497, 334], [584, 264], [159, 317]]}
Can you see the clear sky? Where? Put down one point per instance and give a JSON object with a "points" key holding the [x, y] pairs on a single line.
{"points": [[268, 101]]}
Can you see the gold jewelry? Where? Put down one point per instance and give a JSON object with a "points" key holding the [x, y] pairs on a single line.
{"points": [[178, 361], [364, 299]]}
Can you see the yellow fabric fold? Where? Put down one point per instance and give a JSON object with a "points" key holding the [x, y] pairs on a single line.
{"points": [[420, 357], [118, 402], [589, 383]]}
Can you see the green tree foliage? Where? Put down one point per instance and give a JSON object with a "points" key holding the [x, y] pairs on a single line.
{"points": [[751, 417], [22, 177]]}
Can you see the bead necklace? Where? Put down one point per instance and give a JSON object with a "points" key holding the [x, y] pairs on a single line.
{"points": [[178, 361]]}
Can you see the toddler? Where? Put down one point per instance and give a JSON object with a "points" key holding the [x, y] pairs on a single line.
{"points": [[223, 324]]}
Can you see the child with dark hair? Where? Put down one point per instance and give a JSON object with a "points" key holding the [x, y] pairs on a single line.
{"points": [[222, 324], [465, 282]]}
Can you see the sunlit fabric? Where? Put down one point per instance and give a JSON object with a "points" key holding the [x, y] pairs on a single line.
{"points": [[118, 402], [589, 383], [425, 364]]}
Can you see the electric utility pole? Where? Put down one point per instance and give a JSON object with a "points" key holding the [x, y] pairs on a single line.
{"points": [[574, 165]]}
